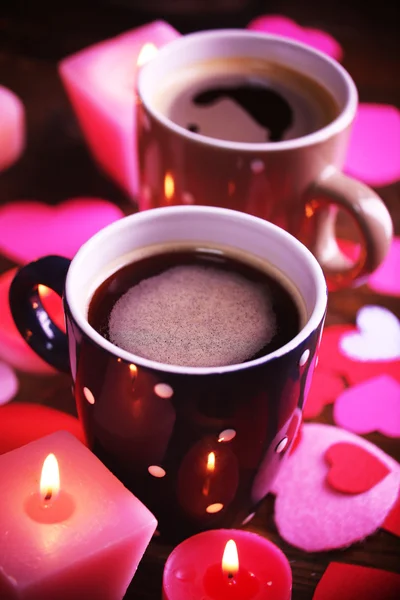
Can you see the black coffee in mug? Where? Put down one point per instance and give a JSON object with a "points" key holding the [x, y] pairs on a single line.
{"points": [[245, 99], [196, 306]]}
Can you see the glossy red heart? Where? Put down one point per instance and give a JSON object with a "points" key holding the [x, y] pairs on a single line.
{"points": [[353, 470]]}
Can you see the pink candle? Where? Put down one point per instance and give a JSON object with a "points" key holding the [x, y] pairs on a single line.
{"points": [[12, 127], [100, 81], [227, 564], [77, 533]]}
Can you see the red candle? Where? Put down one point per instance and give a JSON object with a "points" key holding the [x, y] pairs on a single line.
{"points": [[227, 564]]}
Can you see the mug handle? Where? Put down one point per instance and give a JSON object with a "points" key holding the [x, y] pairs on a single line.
{"points": [[29, 314], [323, 199]]}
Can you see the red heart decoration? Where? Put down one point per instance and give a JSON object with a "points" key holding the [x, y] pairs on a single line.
{"points": [[353, 469], [354, 582], [325, 388], [392, 521]]}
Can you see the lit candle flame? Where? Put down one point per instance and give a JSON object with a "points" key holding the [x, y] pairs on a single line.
{"points": [[230, 559], [147, 52], [50, 479], [169, 186], [211, 462]]}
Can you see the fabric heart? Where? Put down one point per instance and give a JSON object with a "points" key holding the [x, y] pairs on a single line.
{"points": [[386, 279], [21, 423], [353, 469], [373, 405], [392, 521], [281, 25], [333, 359], [13, 348], [353, 582], [30, 229], [374, 149], [8, 383], [325, 388], [313, 516], [378, 337]]}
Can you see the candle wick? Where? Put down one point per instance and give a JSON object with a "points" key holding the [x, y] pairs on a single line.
{"points": [[48, 495], [230, 575]]}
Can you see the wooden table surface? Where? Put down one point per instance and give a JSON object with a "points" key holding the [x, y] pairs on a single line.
{"points": [[57, 166]]}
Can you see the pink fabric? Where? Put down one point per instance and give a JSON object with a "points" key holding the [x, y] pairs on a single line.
{"points": [[373, 405], [30, 229], [386, 280], [8, 383], [280, 25], [309, 514], [374, 151], [12, 127]]}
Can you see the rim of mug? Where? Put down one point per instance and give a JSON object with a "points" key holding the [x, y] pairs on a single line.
{"points": [[341, 122], [313, 321]]}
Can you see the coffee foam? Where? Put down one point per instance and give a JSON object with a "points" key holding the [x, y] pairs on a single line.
{"points": [[194, 316]]}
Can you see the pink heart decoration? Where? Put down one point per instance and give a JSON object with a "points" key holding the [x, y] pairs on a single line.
{"points": [[353, 470], [8, 383], [374, 151], [373, 405], [386, 280], [280, 25], [309, 513], [12, 127], [377, 338], [30, 229]]}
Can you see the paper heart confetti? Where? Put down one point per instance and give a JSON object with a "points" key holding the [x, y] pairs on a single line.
{"points": [[31, 229], [325, 388], [392, 521], [355, 582], [386, 279], [332, 359], [374, 149], [309, 513], [353, 470], [373, 405], [280, 25], [377, 338], [8, 383], [21, 423], [12, 127], [13, 348]]}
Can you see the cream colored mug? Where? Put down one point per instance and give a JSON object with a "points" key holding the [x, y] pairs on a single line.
{"points": [[204, 140]]}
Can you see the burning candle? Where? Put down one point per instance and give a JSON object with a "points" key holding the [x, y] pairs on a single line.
{"points": [[12, 127], [78, 533], [227, 564], [101, 81]]}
